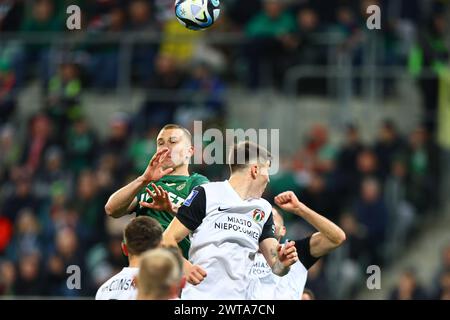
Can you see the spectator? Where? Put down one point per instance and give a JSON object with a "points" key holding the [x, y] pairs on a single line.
{"points": [[401, 212], [26, 238], [207, 96], [30, 280], [66, 253], [167, 78], [408, 288], [141, 20], [270, 33], [43, 19], [7, 91], [422, 156], [10, 151], [7, 278], [371, 212], [38, 140], [81, 146], [388, 146], [21, 198], [63, 103], [53, 174]]}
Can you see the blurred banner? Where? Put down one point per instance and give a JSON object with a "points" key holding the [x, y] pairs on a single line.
{"points": [[444, 110]]}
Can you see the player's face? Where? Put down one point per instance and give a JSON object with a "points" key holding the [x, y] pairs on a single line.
{"points": [[179, 146], [262, 178]]}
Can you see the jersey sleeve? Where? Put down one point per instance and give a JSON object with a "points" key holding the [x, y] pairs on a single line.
{"points": [[199, 180], [193, 209], [268, 229], [304, 252]]}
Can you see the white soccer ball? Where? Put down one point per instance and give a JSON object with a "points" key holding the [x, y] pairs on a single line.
{"points": [[197, 14]]}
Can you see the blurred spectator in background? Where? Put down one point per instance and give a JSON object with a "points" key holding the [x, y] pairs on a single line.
{"points": [[308, 295], [26, 238], [10, 151], [7, 91], [158, 112], [206, 101], [43, 18], [142, 20], [402, 214], [38, 140], [408, 288], [52, 175], [140, 149], [21, 198], [441, 278], [66, 252], [372, 213], [347, 161], [423, 170], [81, 146], [270, 34], [30, 280], [63, 102], [351, 259], [89, 203], [387, 146], [104, 62], [430, 54], [317, 281], [7, 278]]}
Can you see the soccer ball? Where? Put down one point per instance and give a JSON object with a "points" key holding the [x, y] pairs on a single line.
{"points": [[197, 14]]}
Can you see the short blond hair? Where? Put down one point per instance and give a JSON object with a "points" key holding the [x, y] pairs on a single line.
{"points": [[159, 270]]}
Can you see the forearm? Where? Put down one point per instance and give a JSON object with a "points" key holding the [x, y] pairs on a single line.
{"points": [[280, 269], [119, 202], [326, 227]]}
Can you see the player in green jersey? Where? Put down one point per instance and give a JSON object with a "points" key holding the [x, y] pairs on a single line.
{"points": [[168, 170]]}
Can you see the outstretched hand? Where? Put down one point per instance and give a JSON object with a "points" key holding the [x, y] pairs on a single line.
{"points": [[161, 200], [155, 169]]}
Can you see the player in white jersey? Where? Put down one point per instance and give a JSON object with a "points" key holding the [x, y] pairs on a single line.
{"points": [[230, 222], [141, 234], [267, 286], [160, 275]]}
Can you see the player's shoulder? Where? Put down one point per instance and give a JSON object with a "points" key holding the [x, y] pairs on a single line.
{"points": [[198, 179]]}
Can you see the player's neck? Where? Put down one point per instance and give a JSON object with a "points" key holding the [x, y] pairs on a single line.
{"points": [[181, 171], [133, 261], [242, 186]]}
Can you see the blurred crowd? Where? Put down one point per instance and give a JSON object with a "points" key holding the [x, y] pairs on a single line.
{"points": [[272, 37], [380, 193], [56, 172], [53, 193]]}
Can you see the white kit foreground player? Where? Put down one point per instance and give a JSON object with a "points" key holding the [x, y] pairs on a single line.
{"points": [[141, 234], [230, 222], [267, 286]]}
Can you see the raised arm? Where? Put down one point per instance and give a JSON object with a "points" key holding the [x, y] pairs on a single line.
{"points": [[279, 257], [123, 201], [329, 235]]}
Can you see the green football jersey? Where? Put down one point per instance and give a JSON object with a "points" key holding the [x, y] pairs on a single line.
{"points": [[178, 187]]}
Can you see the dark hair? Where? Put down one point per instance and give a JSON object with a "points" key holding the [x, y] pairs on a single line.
{"points": [[186, 132], [142, 234], [243, 153]]}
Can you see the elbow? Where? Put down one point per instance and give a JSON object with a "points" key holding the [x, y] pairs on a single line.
{"points": [[340, 239], [108, 210]]}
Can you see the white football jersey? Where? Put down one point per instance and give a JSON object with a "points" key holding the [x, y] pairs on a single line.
{"points": [[265, 285], [226, 232], [119, 287]]}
